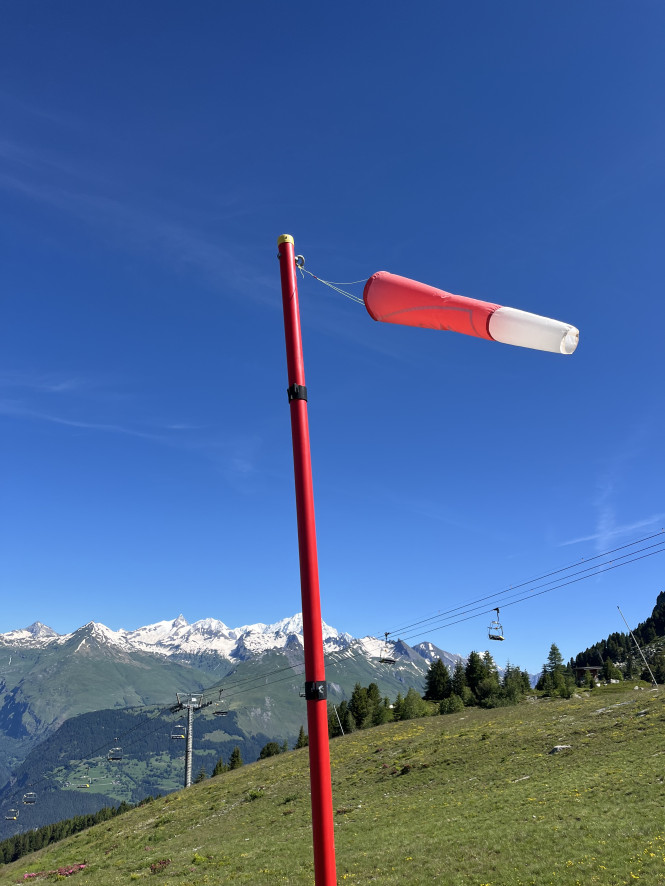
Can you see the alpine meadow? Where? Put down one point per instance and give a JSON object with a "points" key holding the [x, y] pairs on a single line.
{"points": [[332, 497]]}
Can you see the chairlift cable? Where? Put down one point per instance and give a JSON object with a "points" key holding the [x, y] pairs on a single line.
{"points": [[515, 587], [599, 571], [445, 617], [240, 687]]}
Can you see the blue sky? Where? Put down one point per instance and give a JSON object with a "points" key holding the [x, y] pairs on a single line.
{"points": [[150, 156]]}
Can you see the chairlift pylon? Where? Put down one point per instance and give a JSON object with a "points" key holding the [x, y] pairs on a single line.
{"points": [[495, 629], [385, 656]]}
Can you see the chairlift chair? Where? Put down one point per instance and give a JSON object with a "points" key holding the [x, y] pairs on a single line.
{"points": [[30, 798], [387, 654], [114, 755], [220, 704], [11, 815], [179, 731], [495, 630]]}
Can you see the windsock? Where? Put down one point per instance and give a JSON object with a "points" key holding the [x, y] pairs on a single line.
{"points": [[394, 299]]}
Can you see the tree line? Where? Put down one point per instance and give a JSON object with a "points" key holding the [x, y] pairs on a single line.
{"points": [[270, 749], [619, 648], [475, 683], [13, 848]]}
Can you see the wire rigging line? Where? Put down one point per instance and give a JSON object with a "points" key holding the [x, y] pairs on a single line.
{"points": [[513, 588], [300, 264]]}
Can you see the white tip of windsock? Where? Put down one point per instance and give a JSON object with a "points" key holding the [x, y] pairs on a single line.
{"points": [[513, 327]]}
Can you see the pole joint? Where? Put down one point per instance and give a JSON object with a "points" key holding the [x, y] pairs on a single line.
{"points": [[297, 392], [316, 690]]}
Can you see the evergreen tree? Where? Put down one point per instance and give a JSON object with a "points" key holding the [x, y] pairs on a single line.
{"points": [[348, 721], [235, 760], [201, 776], [303, 739], [437, 682], [475, 671], [658, 667], [342, 715], [272, 749], [333, 725], [458, 681], [359, 705], [513, 688], [383, 713], [220, 767], [398, 707], [554, 660], [611, 671], [373, 705], [554, 680], [488, 690], [412, 706], [545, 683], [451, 705], [490, 666]]}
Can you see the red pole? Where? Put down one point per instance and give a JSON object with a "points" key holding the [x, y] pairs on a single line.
{"points": [[315, 678]]}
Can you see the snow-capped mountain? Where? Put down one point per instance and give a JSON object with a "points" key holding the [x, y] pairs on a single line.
{"points": [[35, 634], [430, 653], [179, 637]]}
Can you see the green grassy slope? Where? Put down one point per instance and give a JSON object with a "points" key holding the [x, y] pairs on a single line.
{"points": [[468, 799]]}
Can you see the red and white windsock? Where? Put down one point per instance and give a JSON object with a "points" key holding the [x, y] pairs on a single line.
{"points": [[394, 299]]}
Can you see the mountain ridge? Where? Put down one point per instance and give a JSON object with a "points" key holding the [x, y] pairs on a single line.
{"points": [[178, 636]]}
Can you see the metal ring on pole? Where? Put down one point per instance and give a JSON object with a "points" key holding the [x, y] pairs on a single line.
{"points": [[300, 261]]}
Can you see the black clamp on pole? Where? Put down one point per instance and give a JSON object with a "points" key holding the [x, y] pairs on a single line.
{"points": [[316, 690], [297, 392]]}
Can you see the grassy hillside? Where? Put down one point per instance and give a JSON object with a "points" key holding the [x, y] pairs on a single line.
{"points": [[44, 688], [469, 799], [262, 696]]}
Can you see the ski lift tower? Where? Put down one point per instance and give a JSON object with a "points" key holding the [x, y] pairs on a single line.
{"points": [[189, 703]]}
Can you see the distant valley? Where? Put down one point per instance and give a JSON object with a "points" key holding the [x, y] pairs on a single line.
{"points": [[65, 700]]}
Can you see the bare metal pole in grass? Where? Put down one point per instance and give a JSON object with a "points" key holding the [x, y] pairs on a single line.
{"points": [[190, 741], [655, 685], [192, 704]]}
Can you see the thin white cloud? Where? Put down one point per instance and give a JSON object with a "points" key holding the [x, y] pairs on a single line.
{"points": [[10, 408], [163, 233], [234, 457], [607, 499], [43, 383], [606, 533]]}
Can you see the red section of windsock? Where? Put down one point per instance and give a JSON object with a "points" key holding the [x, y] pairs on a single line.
{"points": [[394, 299]]}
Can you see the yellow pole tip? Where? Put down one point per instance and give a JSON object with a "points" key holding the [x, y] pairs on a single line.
{"points": [[285, 238]]}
